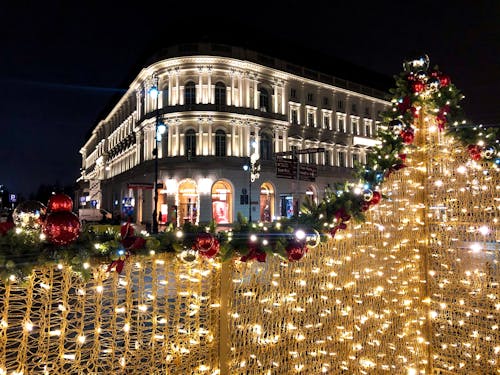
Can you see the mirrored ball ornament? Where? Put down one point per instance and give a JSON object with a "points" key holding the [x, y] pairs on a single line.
{"points": [[434, 84], [420, 63], [489, 152], [29, 215], [367, 195]]}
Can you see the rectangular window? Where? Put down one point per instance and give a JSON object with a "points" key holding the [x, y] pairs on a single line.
{"points": [[368, 130], [355, 158], [355, 127], [325, 101], [310, 97], [354, 108], [326, 122], [340, 104], [341, 156], [293, 93], [294, 117], [312, 158], [341, 125], [367, 112], [327, 157], [310, 119]]}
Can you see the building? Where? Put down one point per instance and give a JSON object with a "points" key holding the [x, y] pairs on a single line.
{"points": [[216, 105]]}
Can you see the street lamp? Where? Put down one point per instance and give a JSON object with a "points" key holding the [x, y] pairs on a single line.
{"points": [[160, 129], [254, 173]]}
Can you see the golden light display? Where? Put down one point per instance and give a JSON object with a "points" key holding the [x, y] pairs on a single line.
{"points": [[412, 290]]}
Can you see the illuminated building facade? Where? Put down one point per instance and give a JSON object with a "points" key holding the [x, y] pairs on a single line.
{"points": [[220, 105]]}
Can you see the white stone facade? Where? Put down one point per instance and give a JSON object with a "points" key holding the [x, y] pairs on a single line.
{"points": [[216, 101]]}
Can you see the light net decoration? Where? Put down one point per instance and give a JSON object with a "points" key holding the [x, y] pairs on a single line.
{"points": [[160, 316], [412, 290]]}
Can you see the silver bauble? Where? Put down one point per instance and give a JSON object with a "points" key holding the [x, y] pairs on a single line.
{"points": [[489, 152], [29, 215], [434, 84], [367, 195]]}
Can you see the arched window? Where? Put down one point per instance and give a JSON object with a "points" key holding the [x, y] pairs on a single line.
{"points": [[190, 143], [222, 202], [220, 93], [264, 100], [220, 143], [266, 147], [266, 202], [190, 93]]}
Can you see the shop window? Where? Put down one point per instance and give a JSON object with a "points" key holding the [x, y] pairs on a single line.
{"points": [[188, 203], [222, 202], [266, 202]]}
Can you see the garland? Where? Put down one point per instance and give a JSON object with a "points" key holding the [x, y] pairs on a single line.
{"points": [[24, 246]]}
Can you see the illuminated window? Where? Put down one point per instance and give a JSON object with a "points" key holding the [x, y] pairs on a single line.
{"points": [[220, 93], [190, 143], [220, 143], [190, 93]]}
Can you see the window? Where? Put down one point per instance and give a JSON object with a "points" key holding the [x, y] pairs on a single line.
{"points": [[293, 93], [327, 157], [368, 129], [190, 93], [325, 101], [294, 117], [341, 156], [340, 104], [265, 147], [164, 97], [354, 109], [326, 122], [190, 143], [220, 93], [355, 126], [220, 143], [355, 159], [312, 158], [310, 97], [264, 100], [342, 125], [310, 119], [367, 112]]}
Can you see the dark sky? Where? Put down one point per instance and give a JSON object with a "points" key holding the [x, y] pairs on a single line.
{"points": [[62, 63]]}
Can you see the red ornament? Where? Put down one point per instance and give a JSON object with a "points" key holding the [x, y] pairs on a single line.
{"points": [[435, 73], [296, 250], [407, 135], [414, 112], [474, 152], [376, 198], [61, 227], [418, 86], [444, 80], [5, 227], [207, 245], [254, 253], [364, 206], [60, 202], [405, 104]]}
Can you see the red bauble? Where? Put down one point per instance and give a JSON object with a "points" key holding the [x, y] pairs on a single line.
{"points": [[474, 152], [62, 227], [418, 86], [364, 205], [60, 202], [207, 245], [376, 197], [407, 135], [444, 80], [296, 250]]}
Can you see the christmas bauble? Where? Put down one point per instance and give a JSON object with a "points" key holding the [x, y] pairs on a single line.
{"points": [[418, 86], [61, 227], [367, 195], [296, 250], [407, 135], [376, 198], [29, 215], [60, 202], [444, 80], [207, 245], [434, 84], [489, 152], [416, 64], [364, 205], [188, 256], [421, 76]]}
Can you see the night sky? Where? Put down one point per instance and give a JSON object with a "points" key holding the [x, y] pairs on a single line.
{"points": [[63, 64]]}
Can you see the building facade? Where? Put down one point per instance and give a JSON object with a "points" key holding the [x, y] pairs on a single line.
{"points": [[210, 110]]}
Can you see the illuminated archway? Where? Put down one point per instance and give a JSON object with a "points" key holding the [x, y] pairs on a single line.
{"points": [[222, 202], [266, 202], [188, 203]]}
